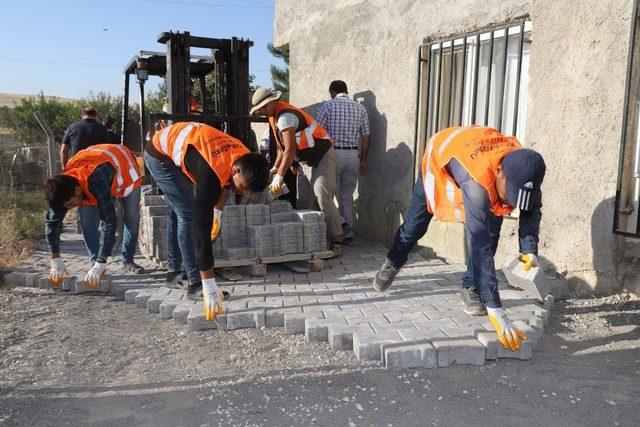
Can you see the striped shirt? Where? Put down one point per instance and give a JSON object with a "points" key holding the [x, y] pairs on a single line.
{"points": [[346, 121]]}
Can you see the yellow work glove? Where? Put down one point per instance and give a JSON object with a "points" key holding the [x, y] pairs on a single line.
{"points": [[276, 183], [217, 223], [528, 261], [92, 279], [211, 299], [58, 272], [508, 335]]}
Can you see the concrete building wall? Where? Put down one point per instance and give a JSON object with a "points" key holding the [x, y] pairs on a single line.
{"points": [[575, 105]]}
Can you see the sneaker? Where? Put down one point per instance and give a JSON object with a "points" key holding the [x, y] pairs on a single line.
{"points": [[472, 304], [347, 232], [384, 276], [132, 267]]}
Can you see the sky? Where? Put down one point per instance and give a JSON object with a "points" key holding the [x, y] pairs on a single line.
{"points": [[68, 48]]}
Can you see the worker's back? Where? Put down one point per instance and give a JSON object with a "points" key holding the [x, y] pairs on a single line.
{"points": [[85, 133]]}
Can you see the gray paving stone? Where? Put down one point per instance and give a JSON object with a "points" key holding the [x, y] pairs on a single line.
{"points": [[167, 306], [130, 295], [142, 298], [197, 322], [368, 346], [78, 286], [460, 351], [245, 319], [182, 310], [156, 299], [308, 216], [423, 355], [494, 349], [278, 206]]}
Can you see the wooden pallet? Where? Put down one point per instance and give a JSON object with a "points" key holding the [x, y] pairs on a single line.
{"points": [[300, 263]]}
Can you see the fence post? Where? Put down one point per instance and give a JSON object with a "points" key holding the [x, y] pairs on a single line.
{"points": [[51, 142]]}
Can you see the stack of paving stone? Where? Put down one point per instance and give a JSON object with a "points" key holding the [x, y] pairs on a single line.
{"points": [[247, 231]]}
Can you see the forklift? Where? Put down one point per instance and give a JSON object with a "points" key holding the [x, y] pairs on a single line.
{"points": [[226, 108]]}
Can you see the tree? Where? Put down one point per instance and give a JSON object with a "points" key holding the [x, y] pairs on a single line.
{"points": [[280, 75]]}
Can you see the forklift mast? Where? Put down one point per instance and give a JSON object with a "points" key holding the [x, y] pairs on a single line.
{"points": [[226, 107]]}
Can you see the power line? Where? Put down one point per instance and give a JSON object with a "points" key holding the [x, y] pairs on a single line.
{"points": [[191, 3], [45, 61]]}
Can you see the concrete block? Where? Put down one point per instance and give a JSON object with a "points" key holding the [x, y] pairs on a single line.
{"points": [[318, 329], [157, 210], [256, 232], [294, 322], [78, 286], [257, 210], [245, 319], [533, 281], [494, 349], [340, 337], [68, 283], [253, 220], [196, 320], [281, 217], [238, 253], [142, 298], [314, 228], [233, 210], [308, 216], [267, 251], [275, 317], [423, 355], [278, 206], [130, 295], [31, 279], [368, 346], [182, 310], [153, 303], [15, 278], [460, 351], [43, 283], [153, 200], [167, 306], [293, 229]]}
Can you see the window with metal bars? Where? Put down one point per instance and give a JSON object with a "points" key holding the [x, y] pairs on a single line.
{"points": [[478, 78]]}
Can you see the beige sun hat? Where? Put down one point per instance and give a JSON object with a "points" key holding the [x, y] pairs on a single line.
{"points": [[262, 96]]}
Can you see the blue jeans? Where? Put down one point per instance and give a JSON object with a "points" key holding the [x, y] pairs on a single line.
{"points": [[89, 219], [178, 196], [415, 225]]}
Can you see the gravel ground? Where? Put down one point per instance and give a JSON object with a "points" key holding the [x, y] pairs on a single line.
{"points": [[67, 359]]}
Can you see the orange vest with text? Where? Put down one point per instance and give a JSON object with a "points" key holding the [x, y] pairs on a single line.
{"points": [[125, 180], [217, 148], [479, 150], [307, 131]]}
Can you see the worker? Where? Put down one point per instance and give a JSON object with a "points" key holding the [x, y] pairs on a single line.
{"points": [[95, 176], [194, 165], [300, 138], [474, 175]]}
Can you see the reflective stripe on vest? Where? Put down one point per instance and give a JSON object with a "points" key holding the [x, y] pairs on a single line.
{"points": [[308, 129], [127, 165]]}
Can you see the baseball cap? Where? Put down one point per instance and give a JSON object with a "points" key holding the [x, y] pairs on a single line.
{"points": [[524, 170]]}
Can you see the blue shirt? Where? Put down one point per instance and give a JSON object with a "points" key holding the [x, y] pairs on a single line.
{"points": [[482, 227], [345, 119], [85, 133], [100, 186]]}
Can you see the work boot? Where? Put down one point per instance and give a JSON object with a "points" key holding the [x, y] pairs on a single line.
{"points": [[132, 267], [384, 276], [472, 304], [194, 292], [336, 248], [175, 279], [347, 232]]}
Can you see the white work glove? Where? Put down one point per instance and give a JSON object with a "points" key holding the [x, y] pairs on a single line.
{"points": [[92, 279], [508, 335], [217, 223], [273, 171], [276, 184], [528, 261], [211, 299], [58, 272]]}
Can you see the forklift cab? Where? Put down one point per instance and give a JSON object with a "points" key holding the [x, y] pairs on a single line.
{"points": [[224, 105]]}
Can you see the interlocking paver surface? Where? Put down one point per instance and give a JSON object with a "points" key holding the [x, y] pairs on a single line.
{"points": [[417, 323]]}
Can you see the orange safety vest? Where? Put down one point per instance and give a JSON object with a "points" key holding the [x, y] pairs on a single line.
{"points": [[479, 150], [194, 107], [82, 165], [308, 129], [217, 148]]}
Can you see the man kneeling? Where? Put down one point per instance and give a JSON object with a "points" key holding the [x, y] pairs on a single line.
{"points": [[95, 176]]}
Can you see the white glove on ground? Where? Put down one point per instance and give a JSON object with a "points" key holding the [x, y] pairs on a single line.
{"points": [[92, 279], [58, 272], [508, 335], [211, 299]]}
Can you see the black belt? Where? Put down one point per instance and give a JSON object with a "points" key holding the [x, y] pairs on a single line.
{"points": [[346, 148]]}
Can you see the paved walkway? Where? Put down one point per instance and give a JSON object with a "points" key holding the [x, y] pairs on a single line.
{"points": [[418, 323]]}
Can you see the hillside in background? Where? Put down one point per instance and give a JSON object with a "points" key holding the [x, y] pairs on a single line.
{"points": [[10, 99]]}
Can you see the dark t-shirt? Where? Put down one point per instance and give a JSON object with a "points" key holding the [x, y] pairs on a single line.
{"points": [[85, 133]]}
